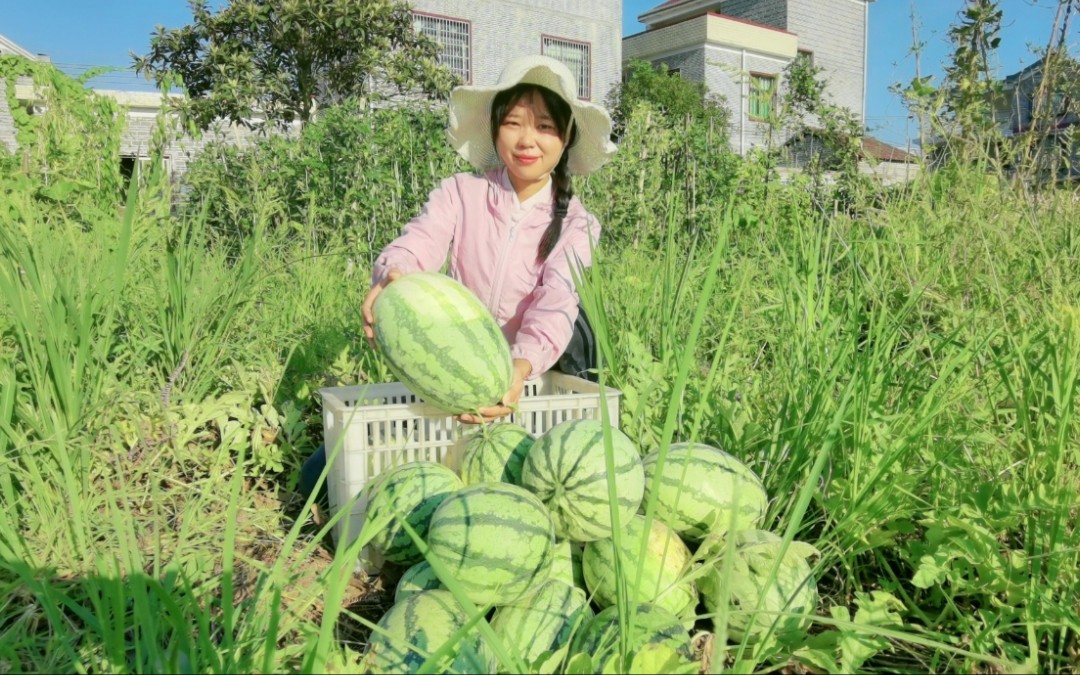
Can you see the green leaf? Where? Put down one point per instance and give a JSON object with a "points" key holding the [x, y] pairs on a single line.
{"points": [[580, 664], [879, 609], [933, 570]]}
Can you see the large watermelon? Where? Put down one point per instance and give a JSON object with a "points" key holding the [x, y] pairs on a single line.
{"points": [[442, 343], [539, 626], [496, 539], [495, 452], [417, 627], [566, 468], [704, 490], [650, 626], [756, 607], [663, 568], [562, 564], [412, 490], [419, 577]]}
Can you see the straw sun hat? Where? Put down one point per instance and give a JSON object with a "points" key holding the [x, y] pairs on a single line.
{"points": [[470, 116]]}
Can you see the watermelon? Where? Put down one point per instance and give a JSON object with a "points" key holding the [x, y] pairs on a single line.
{"points": [[664, 565], [539, 627], [652, 626], [562, 564], [496, 539], [783, 607], [577, 552], [566, 468], [419, 577], [414, 629], [703, 490], [413, 490], [495, 452], [442, 343]]}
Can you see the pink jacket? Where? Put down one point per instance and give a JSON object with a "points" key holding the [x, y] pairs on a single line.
{"points": [[492, 240]]}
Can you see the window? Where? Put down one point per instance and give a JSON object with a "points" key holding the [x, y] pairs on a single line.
{"points": [[453, 36], [762, 92], [807, 55], [576, 57], [139, 168]]}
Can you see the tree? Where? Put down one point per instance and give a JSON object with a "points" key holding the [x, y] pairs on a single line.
{"points": [[676, 96], [278, 57]]}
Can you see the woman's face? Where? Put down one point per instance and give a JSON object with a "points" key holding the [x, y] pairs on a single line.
{"points": [[529, 144]]}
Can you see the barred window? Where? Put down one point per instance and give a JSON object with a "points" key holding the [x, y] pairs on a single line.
{"points": [[576, 57], [453, 36]]}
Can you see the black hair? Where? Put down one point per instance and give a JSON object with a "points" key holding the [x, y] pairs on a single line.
{"points": [[562, 116]]}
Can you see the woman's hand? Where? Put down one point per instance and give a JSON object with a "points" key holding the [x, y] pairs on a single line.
{"points": [[369, 303], [522, 370]]}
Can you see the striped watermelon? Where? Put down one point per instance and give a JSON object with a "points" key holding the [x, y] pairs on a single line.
{"points": [[539, 627], [417, 627], [566, 468], [666, 561], [651, 625], [703, 490], [412, 490], [419, 577], [495, 452], [577, 552], [784, 606], [562, 564], [496, 539], [442, 343]]}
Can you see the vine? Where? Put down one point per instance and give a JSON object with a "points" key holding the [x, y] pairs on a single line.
{"points": [[68, 137]]}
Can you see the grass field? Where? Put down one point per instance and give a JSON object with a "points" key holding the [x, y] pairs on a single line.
{"points": [[902, 375]]}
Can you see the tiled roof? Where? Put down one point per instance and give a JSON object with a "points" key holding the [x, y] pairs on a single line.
{"points": [[885, 152]]}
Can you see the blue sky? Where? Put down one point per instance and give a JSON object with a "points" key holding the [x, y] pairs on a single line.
{"points": [[78, 33]]}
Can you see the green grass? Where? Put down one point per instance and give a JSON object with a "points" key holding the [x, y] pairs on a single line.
{"points": [[904, 381]]}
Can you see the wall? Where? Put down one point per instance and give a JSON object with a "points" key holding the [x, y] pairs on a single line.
{"points": [[504, 29], [834, 30], [766, 12], [7, 123]]}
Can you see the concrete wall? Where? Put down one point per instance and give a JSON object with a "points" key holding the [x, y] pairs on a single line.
{"points": [[768, 34], [504, 29], [181, 149], [835, 31], [7, 123]]}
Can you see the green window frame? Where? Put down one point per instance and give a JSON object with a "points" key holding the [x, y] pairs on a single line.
{"points": [[762, 94]]}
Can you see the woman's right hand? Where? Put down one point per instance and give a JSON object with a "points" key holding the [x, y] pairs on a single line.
{"points": [[369, 303]]}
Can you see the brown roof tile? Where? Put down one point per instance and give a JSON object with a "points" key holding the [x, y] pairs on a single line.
{"points": [[885, 152]]}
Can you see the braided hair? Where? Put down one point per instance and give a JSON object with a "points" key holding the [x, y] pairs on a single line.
{"points": [[563, 117]]}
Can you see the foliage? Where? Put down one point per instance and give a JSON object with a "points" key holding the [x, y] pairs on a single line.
{"points": [[281, 59], [57, 131], [902, 375], [675, 97], [972, 87], [656, 154], [371, 171], [810, 122], [959, 115]]}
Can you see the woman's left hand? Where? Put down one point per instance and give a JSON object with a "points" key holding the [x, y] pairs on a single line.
{"points": [[522, 370]]}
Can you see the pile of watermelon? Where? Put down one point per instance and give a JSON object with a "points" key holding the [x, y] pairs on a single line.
{"points": [[524, 529]]}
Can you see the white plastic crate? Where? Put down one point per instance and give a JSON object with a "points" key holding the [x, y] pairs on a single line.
{"points": [[379, 426]]}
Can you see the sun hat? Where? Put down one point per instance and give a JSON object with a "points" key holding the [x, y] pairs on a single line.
{"points": [[470, 116]]}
